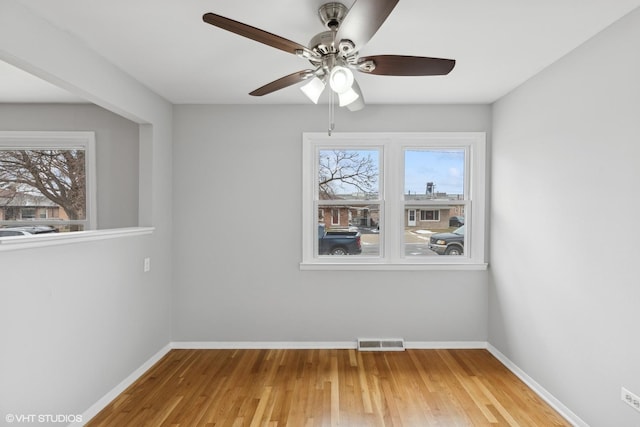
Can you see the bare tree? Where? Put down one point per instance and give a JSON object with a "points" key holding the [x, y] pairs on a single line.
{"points": [[59, 175], [348, 167]]}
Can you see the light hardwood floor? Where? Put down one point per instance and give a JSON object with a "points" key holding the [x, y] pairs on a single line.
{"points": [[328, 388]]}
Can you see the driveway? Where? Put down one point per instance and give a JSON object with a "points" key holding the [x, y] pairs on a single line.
{"points": [[416, 243]]}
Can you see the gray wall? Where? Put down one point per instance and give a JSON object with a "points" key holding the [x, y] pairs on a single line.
{"points": [[116, 151], [237, 236], [564, 291], [77, 319]]}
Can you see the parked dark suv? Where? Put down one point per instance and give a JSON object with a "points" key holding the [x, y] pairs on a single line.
{"points": [[448, 243]]}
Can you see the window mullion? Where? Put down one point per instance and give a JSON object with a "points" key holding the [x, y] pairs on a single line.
{"points": [[394, 208]]}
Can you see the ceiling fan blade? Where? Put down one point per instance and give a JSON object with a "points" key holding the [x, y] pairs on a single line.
{"points": [[363, 20], [398, 65], [283, 82], [252, 33]]}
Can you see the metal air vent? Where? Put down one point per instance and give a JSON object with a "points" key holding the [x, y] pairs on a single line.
{"points": [[380, 344]]}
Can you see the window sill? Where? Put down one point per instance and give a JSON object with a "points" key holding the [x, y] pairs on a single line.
{"points": [[391, 267], [53, 239]]}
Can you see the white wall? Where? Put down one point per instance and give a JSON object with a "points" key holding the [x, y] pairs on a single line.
{"points": [[117, 151], [77, 319], [237, 236], [564, 275]]}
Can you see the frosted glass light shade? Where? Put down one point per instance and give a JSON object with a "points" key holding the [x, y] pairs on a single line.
{"points": [[357, 104], [340, 79], [313, 89], [347, 97]]}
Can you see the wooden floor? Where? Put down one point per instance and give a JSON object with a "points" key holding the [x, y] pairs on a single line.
{"points": [[328, 388]]}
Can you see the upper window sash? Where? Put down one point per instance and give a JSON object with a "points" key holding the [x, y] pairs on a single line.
{"points": [[369, 148]]}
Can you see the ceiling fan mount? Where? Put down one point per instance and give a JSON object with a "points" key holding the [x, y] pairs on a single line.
{"points": [[325, 53], [334, 53], [332, 14]]}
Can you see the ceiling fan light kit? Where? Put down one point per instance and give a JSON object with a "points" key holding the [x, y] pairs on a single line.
{"points": [[347, 97], [358, 104], [335, 53], [313, 89], [340, 79]]}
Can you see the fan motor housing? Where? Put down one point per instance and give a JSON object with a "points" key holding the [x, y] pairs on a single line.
{"points": [[323, 43]]}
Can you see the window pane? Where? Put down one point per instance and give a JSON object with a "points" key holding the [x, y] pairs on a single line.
{"points": [[434, 191], [434, 174], [348, 212], [348, 174], [349, 229], [38, 185]]}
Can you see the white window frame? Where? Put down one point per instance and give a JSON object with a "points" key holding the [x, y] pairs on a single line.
{"points": [[51, 140], [392, 204]]}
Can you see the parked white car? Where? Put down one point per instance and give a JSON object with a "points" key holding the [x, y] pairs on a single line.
{"points": [[8, 232], [26, 231]]}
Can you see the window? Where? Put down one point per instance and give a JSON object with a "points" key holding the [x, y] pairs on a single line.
{"points": [[27, 213], [335, 216], [430, 215], [393, 200], [47, 179]]}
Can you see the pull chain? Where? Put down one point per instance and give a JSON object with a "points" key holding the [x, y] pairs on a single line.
{"points": [[332, 124]]}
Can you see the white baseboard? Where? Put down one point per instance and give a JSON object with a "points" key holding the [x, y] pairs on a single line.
{"points": [[108, 398], [445, 345], [301, 345], [566, 413], [261, 345]]}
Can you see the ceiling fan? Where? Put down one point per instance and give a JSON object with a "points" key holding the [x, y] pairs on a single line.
{"points": [[335, 52]]}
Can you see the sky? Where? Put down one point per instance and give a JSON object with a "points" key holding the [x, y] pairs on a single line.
{"points": [[443, 167]]}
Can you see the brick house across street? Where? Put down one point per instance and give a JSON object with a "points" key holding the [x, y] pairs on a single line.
{"points": [[431, 217], [344, 216], [418, 216], [20, 206]]}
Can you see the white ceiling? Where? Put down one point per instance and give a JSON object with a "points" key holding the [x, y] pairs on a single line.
{"points": [[19, 86], [498, 44]]}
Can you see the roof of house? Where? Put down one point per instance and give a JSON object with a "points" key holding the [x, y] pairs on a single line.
{"points": [[10, 197]]}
